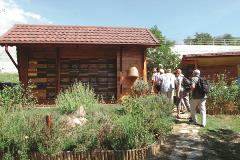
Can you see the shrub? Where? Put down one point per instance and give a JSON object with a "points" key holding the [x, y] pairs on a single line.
{"points": [[16, 97], [87, 137], [138, 123], [129, 132], [140, 87], [25, 131], [76, 95], [154, 111], [222, 94]]}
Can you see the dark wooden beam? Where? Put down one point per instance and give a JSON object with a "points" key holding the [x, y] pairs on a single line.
{"points": [[58, 70], [9, 55]]}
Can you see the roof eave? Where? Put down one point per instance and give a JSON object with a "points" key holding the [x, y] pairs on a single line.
{"points": [[72, 43], [223, 54]]}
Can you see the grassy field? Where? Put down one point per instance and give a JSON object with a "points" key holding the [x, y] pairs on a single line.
{"points": [[227, 122], [222, 137], [9, 77]]}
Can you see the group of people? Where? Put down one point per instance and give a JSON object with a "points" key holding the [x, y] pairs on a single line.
{"points": [[177, 85]]}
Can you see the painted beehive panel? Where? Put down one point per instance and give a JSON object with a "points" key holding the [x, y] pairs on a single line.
{"points": [[100, 74], [42, 74]]}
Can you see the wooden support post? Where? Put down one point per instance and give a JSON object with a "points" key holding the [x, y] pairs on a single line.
{"points": [[144, 64], [58, 71], [22, 58]]}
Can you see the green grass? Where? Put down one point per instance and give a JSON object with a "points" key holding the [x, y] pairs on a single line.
{"points": [[9, 77], [229, 122], [222, 137]]}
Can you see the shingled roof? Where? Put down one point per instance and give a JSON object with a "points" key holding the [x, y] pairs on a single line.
{"points": [[57, 34]]}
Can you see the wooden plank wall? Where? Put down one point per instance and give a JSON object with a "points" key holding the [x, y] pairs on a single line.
{"points": [[131, 56], [213, 72], [212, 67], [126, 57]]}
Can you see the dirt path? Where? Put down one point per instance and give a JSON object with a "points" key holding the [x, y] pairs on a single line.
{"points": [[184, 143], [187, 143]]}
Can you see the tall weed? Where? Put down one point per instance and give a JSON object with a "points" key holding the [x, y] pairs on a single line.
{"points": [[76, 95]]}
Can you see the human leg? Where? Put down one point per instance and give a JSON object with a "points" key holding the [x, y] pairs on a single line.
{"points": [[186, 101], [194, 104], [202, 108], [179, 105], [170, 95]]}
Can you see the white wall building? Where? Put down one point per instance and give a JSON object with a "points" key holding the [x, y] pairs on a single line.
{"points": [[201, 49]]}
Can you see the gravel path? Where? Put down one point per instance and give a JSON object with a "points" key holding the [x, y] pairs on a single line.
{"points": [[184, 143]]}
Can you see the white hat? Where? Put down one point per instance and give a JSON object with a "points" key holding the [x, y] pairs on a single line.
{"points": [[196, 72], [161, 71]]}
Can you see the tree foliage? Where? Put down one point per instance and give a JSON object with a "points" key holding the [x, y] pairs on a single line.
{"points": [[200, 38], [206, 39], [162, 56]]}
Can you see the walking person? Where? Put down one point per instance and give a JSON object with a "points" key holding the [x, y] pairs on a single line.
{"points": [[182, 93], [154, 80], [167, 82], [198, 98], [158, 83]]}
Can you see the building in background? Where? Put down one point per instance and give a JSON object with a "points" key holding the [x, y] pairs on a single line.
{"points": [[214, 65], [212, 60]]}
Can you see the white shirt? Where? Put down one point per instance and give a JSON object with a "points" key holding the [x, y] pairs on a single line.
{"points": [[154, 77], [167, 82]]}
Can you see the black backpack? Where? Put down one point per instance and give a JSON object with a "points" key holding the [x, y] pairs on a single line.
{"points": [[202, 88], [204, 85], [186, 83]]}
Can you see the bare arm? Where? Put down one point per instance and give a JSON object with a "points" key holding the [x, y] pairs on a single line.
{"points": [[178, 88]]}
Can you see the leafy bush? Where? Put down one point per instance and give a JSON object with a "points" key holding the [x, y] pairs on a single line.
{"points": [[141, 87], [222, 94], [86, 138], [76, 95], [26, 131], [138, 123], [16, 97], [128, 132], [153, 110]]}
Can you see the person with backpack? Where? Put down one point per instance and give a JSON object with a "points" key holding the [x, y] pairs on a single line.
{"points": [[200, 88], [183, 86]]}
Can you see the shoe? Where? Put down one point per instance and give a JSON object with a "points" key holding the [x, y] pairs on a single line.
{"points": [[178, 117], [190, 120], [182, 112], [202, 126]]}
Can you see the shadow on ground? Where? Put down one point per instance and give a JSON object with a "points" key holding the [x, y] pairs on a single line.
{"points": [[221, 144]]}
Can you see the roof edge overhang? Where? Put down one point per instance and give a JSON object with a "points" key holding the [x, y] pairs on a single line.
{"points": [[208, 55], [80, 44]]}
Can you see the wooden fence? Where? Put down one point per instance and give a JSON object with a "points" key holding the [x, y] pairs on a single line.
{"points": [[134, 154]]}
